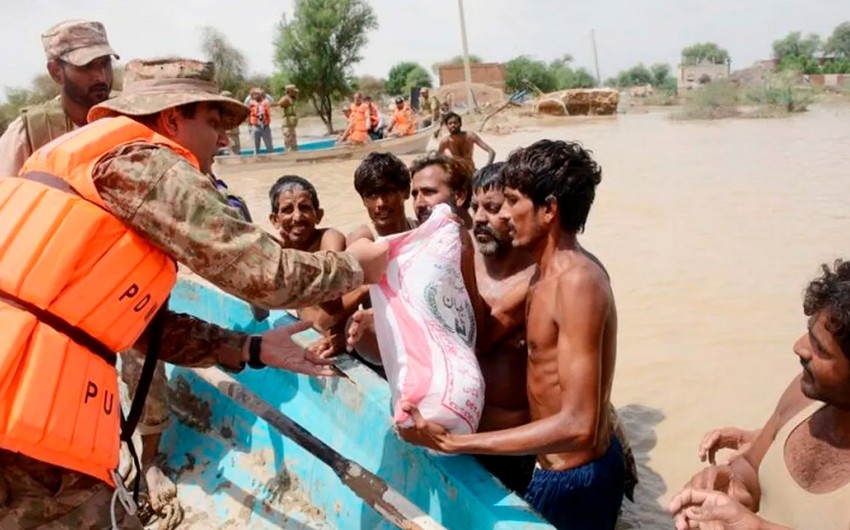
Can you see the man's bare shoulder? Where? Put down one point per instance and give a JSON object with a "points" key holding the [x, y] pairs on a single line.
{"points": [[332, 239], [583, 281], [361, 232]]}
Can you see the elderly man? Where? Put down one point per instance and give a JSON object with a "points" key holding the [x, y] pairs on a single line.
{"points": [[137, 198], [79, 60]]}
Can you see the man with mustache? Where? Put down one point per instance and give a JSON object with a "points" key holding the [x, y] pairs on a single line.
{"points": [[438, 179], [502, 273], [571, 326], [79, 60], [796, 473]]}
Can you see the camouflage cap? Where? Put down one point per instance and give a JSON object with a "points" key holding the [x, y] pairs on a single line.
{"points": [[78, 42], [291, 87], [151, 86]]}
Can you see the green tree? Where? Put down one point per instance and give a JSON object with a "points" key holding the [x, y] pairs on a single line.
{"points": [[635, 76], [397, 77], [522, 70], [839, 42], [805, 64], [368, 85], [230, 63], [457, 59], [417, 77], [319, 47], [837, 66], [795, 45], [567, 77], [662, 77], [704, 52]]}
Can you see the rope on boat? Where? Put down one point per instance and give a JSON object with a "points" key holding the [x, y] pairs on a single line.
{"points": [[372, 489]]}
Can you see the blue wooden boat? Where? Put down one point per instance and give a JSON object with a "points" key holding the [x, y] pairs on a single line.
{"points": [[327, 149], [234, 470]]}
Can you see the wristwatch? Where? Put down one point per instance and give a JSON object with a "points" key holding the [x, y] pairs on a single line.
{"points": [[254, 346]]}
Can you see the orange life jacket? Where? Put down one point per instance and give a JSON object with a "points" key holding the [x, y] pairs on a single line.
{"points": [[358, 117], [258, 108], [374, 118], [76, 285], [404, 119]]}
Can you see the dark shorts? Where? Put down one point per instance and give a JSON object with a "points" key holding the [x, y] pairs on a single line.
{"points": [[586, 497], [513, 471]]}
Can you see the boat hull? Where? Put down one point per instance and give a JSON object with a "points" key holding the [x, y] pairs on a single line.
{"points": [[234, 470], [416, 143]]}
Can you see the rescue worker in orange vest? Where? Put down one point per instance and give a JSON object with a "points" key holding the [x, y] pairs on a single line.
{"points": [[259, 118], [404, 119], [77, 288], [80, 61], [358, 122], [375, 123]]}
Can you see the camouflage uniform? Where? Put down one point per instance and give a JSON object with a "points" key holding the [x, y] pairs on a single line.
{"points": [[80, 42], [164, 198], [290, 120], [77, 42]]}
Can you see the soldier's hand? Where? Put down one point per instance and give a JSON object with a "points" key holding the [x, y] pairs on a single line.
{"points": [[278, 350], [373, 257]]}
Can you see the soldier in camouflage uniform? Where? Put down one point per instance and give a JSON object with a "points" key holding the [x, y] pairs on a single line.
{"points": [[290, 120], [79, 59], [161, 196]]}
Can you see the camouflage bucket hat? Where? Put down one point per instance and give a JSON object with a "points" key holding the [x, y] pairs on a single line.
{"points": [[151, 86], [77, 42]]}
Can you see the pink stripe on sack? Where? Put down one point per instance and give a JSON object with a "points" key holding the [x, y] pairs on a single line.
{"points": [[409, 330]]}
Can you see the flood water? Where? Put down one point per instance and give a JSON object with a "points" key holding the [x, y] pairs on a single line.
{"points": [[711, 231]]}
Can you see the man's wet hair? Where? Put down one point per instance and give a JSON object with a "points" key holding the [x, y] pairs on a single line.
{"points": [[459, 175], [561, 170], [489, 178], [447, 116], [831, 293], [379, 172], [292, 183]]}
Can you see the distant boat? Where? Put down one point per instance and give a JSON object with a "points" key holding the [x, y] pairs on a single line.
{"points": [[328, 149], [233, 470]]}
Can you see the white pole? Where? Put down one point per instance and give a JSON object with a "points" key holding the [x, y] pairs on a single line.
{"points": [[595, 56], [467, 71]]}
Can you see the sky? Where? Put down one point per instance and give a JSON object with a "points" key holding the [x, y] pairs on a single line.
{"points": [[627, 31]]}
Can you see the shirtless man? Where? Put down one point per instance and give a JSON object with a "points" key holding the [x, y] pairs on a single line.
{"points": [[383, 183], [571, 335], [459, 144], [295, 213], [796, 474], [438, 179], [501, 272]]}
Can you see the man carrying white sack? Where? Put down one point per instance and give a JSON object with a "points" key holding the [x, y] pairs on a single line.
{"points": [[571, 334]]}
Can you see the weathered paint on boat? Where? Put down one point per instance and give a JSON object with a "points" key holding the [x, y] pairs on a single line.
{"points": [[235, 471], [416, 143]]}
